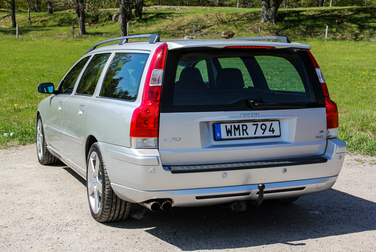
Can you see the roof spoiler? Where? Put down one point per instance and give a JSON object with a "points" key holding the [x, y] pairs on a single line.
{"points": [[154, 38], [282, 39]]}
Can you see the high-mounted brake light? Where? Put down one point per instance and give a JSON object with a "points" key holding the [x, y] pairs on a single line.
{"points": [[250, 47], [331, 106], [145, 119]]}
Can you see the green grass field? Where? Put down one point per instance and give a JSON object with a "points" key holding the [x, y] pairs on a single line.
{"points": [[44, 52]]}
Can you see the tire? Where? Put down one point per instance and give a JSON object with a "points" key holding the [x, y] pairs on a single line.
{"points": [[105, 205], [44, 156], [283, 201]]}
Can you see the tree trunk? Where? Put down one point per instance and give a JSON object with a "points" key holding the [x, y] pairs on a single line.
{"points": [[80, 10], [269, 12], [36, 6], [49, 7], [124, 17], [13, 12], [28, 11], [28, 15], [138, 8]]}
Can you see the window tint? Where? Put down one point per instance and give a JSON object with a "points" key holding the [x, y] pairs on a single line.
{"points": [[280, 74], [67, 85], [201, 65], [238, 64], [226, 80], [123, 76], [92, 73]]}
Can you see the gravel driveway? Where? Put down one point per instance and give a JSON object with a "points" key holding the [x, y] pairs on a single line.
{"points": [[45, 208]]}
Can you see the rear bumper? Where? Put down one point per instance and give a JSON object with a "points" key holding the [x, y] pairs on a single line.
{"points": [[219, 195], [140, 177]]}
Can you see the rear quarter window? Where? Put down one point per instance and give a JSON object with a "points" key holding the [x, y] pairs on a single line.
{"points": [[123, 76]]}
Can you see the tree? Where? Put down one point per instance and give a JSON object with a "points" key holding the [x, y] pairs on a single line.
{"points": [[269, 10], [138, 8], [36, 6], [50, 9], [28, 11], [94, 6], [13, 12], [80, 10], [124, 17]]}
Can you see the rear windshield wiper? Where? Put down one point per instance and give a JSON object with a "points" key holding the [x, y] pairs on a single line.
{"points": [[263, 105]]}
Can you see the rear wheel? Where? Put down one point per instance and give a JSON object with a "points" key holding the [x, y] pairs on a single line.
{"points": [[44, 156], [105, 205]]}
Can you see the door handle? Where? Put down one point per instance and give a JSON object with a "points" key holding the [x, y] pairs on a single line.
{"points": [[81, 110], [60, 107]]}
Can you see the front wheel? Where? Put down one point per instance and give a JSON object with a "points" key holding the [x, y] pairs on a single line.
{"points": [[105, 205]]}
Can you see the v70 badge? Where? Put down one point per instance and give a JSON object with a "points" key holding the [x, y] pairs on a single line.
{"points": [[172, 139]]}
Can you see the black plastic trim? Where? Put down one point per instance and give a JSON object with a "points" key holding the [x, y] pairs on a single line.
{"points": [[283, 190], [222, 196], [245, 165]]}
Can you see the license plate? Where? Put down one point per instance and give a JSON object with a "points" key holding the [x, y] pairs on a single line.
{"points": [[228, 131]]}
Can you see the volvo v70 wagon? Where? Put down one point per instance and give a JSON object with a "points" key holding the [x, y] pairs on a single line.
{"points": [[192, 122]]}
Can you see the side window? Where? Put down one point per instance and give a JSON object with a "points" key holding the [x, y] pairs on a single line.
{"points": [[239, 64], [123, 76], [67, 84], [92, 73], [280, 74]]}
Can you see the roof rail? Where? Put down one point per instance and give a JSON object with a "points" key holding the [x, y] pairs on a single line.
{"points": [[282, 39], [154, 38]]}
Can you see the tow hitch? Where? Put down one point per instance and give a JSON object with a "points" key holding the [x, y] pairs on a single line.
{"points": [[260, 198], [240, 206]]}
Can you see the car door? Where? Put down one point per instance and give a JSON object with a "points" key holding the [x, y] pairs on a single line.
{"points": [[54, 120], [76, 107]]}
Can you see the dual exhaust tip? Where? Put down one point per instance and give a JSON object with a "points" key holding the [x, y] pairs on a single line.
{"points": [[154, 206]]}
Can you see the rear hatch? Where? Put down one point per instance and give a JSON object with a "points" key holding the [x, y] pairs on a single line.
{"points": [[240, 104]]}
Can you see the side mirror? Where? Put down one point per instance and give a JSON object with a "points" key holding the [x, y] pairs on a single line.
{"points": [[46, 88]]}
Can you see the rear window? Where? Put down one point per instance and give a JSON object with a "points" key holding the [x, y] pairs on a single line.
{"points": [[213, 80]]}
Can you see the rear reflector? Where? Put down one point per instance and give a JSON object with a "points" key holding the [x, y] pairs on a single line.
{"points": [[331, 106]]}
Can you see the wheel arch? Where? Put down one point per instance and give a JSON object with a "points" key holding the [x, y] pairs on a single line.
{"points": [[89, 142], [37, 116]]}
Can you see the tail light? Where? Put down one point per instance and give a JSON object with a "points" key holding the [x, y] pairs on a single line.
{"points": [[331, 107], [145, 119]]}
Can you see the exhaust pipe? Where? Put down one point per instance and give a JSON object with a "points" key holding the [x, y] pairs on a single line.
{"points": [[153, 205], [166, 205]]}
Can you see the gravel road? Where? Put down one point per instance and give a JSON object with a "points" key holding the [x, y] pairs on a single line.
{"points": [[44, 208]]}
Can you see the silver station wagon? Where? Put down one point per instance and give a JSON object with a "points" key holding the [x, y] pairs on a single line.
{"points": [[192, 122]]}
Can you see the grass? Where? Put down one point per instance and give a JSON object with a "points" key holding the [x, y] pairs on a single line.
{"points": [[45, 51], [350, 72]]}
